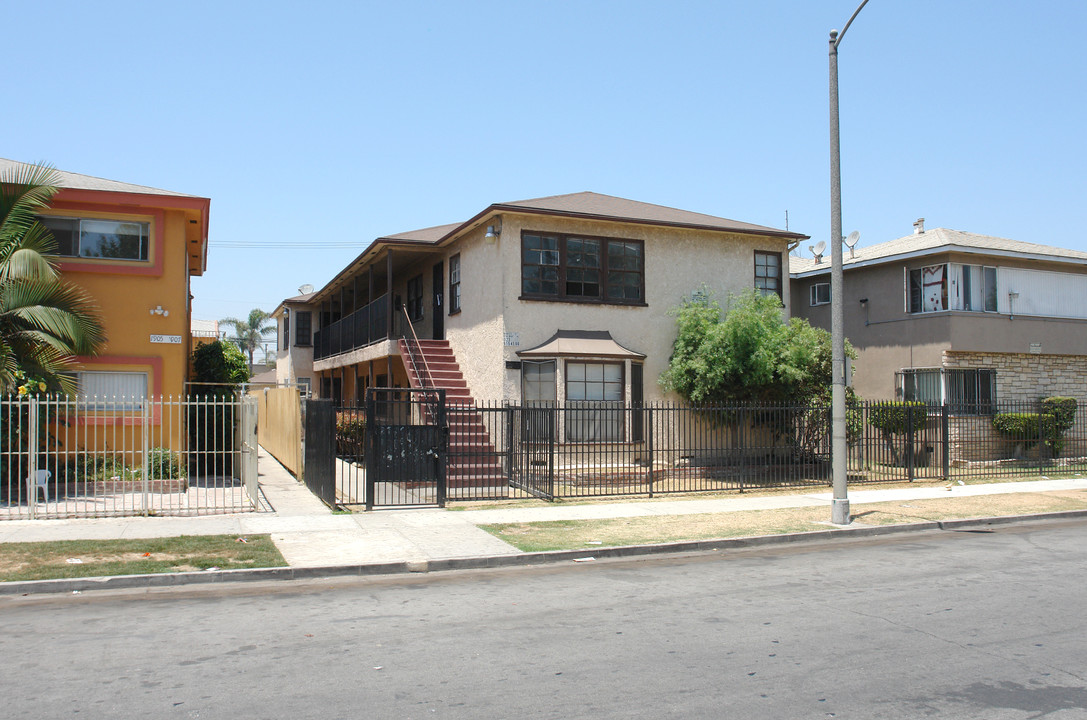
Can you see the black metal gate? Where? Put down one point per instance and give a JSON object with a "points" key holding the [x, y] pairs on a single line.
{"points": [[532, 450], [318, 468], [406, 443]]}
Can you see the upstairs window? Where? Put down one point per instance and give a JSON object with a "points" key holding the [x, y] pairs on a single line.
{"points": [[976, 287], [926, 289], [951, 286], [303, 328], [582, 269], [768, 273], [108, 239], [820, 294]]}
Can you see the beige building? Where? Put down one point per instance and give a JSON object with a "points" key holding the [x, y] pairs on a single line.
{"points": [[294, 343], [943, 315], [556, 298]]}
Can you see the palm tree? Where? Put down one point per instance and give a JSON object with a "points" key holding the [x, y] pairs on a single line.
{"points": [[44, 322], [249, 333]]}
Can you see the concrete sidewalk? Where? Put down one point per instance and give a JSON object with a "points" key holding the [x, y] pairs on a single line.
{"points": [[310, 536]]}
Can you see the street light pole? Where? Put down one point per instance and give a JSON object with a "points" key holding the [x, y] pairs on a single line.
{"points": [[839, 511]]}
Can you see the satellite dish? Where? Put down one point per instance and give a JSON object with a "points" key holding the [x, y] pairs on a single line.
{"points": [[852, 240], [819, 247], [305, 289]]}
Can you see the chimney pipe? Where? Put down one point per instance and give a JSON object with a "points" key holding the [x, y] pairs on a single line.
{"points": [[919, 226]]}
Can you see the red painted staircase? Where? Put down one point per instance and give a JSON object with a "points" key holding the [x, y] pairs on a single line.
{"points": [[472, 459]]}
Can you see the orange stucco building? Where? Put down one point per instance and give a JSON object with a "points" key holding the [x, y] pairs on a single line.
{"points": [[134, 249]]}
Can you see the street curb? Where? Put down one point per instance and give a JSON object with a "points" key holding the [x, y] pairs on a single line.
{"points": [[160, 580]]}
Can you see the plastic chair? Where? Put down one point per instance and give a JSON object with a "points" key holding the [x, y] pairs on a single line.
{"points": [[39, 479]]}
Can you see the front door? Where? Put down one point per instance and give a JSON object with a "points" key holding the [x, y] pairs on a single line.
{"points": [[439, 311]]}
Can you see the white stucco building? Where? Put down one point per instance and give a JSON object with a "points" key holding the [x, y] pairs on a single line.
{"points": [[558, 298]]}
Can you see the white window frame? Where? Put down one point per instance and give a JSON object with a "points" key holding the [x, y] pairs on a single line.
{"points": [[815, 294]]}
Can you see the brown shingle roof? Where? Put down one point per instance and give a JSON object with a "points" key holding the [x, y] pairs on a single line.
{"points": [[595, 205], [587, 205]]}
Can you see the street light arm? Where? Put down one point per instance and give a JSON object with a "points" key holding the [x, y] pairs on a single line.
{"points": [[851, 18]]}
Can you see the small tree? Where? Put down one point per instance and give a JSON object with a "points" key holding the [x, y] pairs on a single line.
{"points": [[218, 371], [750, 355], [898, 418]]}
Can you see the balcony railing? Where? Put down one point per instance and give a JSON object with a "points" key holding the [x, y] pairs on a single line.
{"points": [[363, 327]]}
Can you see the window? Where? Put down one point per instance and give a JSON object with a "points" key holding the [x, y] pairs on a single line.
{"points": [[537, 396], [768, 272], [454, 284], [594, 391], [976, 287], [926, 289], [303, 328], [112, 391], [950, 286], [820, 294], [286, 331], [303, 386], [582, 269], [415, 298], [969, 391], [113, 239], [538, 381]]}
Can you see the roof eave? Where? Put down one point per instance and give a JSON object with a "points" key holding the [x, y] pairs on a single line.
{"points": [[965, 250]]}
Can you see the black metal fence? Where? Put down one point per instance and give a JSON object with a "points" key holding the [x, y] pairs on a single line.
{"points": [[608, 449], [366, 325]]}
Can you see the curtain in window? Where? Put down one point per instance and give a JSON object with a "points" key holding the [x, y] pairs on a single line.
{"points": [[934, 282], [113, 390], [595, 395]]}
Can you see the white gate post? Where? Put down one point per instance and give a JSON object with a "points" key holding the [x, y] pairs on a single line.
{"points": [[32, 455]]}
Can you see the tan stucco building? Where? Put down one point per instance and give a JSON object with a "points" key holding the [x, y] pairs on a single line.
{"points": [[943, 315], [557, 298]]}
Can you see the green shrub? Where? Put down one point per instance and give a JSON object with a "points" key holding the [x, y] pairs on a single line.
{"points": [[1062, 414], [1057, 416], [164, 464], [350, 433], [1017, 426], [894, 417], [104, 467]]}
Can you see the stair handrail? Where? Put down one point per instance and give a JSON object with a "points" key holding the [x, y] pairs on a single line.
{"points": [[427, 382]]}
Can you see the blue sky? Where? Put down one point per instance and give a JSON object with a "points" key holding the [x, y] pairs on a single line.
{"points": [[317, 127]]}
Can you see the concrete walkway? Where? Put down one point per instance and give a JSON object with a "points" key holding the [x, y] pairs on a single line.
{"points": [[310, 536]]}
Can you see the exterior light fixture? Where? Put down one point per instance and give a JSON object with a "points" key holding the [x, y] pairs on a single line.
{"points": [[493, 231], [159, 311]]}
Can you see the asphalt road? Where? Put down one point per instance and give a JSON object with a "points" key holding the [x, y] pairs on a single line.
{"points": [[941, 624]]}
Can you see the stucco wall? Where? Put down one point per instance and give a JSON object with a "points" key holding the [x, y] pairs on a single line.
{"points": [[888, 339], [677, 262], [126, 292]]}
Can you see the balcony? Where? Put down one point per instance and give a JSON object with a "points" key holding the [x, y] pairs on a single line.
{"points": [[365, 326]]}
